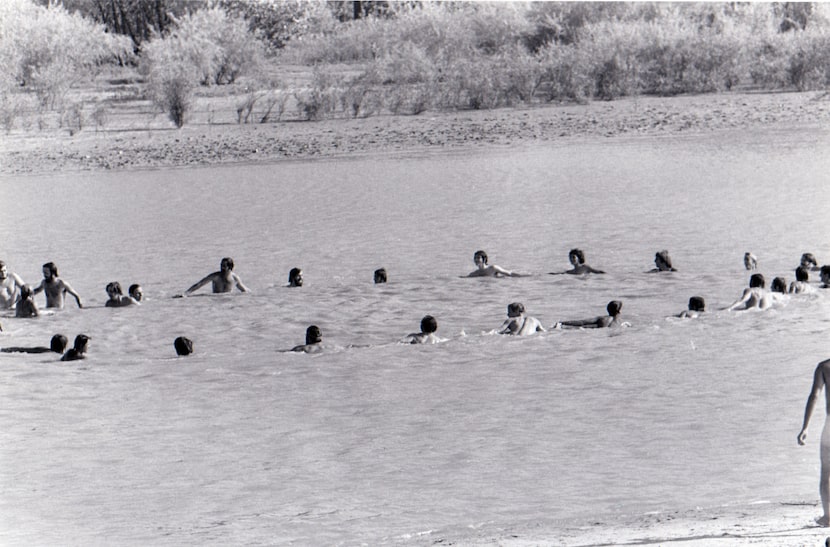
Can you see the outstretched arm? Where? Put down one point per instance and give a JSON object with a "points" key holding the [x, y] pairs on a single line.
{"points": [[594, 323], [501, 271], [199, 284], [39, 287], [815, 391], [71, 291], [742, 300]]}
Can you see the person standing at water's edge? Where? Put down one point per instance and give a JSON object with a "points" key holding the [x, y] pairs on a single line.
{"points": [[10, 285], [55, 287], [820, 382], [223, 281]]}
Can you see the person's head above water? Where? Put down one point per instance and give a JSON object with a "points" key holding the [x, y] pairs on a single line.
{"points": [[515, 309], [808, 260], [576, 257], [295, 277], [114, 289], [480, 256], [779, 284], [757, 280], [662, 260], [226, 264], [81, 342], [380, 275], [750, 261], [183, 346], [614, 308], [136, 292], [696, 303], [801, 274], [429, 324], [50, 270], [58, 343], [313, 335], [25, 292]]}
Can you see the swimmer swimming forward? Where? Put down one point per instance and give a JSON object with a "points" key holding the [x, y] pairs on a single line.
{"points": [[222, 281]]}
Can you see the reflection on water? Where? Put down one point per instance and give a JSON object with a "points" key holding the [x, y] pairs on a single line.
{"points": [[242, 443]]}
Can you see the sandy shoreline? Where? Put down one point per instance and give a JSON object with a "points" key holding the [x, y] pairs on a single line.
{"points": [[130, 143]]}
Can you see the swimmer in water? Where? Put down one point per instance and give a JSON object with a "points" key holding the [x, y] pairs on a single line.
{"points": [[78, 351], [427, 335], [26, 306], [56, 345], [313, 341], [663, 262], [696, 306], [519, 324], [611, 320], [756, 296], [801, 284], [136, 292], [577, 260], [117, 298], [295, 277], [55, 287], [750, 261], [183, 346], [222, 281], [10, 285], [485, 270], [778, 289], [808, 260], [380, 275], [824, 275]]}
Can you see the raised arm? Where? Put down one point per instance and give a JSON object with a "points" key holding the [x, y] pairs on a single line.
{"points": [[815, 391], [68, 288]]}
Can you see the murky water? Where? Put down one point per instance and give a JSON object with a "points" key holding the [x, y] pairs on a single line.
{"points": [[380, 442]]}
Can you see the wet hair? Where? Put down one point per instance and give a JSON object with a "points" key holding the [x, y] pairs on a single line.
{"points": [[825, 270], [614, 307], [25, 292], [757, 280], [380, 275], [135, 287], [183, 346], [292, 277], [580, 256], [515, 307], [429, 324], [80, 343], [58, 343], [226, 261], [664, 257], [696, 303], [481, 254], [313, 335], [809, 258], [801, 274], [779, 284], [52, 268], [114, 287]]}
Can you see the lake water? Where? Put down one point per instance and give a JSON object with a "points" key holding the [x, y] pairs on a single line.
{"points": [[388, 443]]}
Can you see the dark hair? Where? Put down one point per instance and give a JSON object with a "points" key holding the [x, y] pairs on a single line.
{"points": [[779, 284], [80, 343], [578, 254], [481, 254], [515, 307], [293, 275], [614, 307], [228, 261], [183, 346], [664, 256], [809, 258], [757, 280], [825, 270], [801, 274], [133, 288], [58, 343], [696, 303], [115, 287], [429, 324], [52, 268], [380, 275], [313, 335], [25, 292]]}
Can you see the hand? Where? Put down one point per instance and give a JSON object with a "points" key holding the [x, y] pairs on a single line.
{"points": [[802, 437]]}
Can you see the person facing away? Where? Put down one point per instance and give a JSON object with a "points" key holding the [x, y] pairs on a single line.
{"points": [[57, 345], [78, 350], [116, 297], [577, 260], [183, 346], [778, 287], [313, 341], [820, 377], [136, 292], [750, 261], [611, 320], [10, 285], [756, 296], [222, 281], [427, 335], [824, 275], [485, 270], [696, 306], [519, 324], [26, 306], [55, 287], [295, 277], [808, 260], [802, 281], [380, 275], [663, 262]]}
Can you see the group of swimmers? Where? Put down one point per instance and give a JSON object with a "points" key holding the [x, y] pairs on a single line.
{"points": [[15, 293]]}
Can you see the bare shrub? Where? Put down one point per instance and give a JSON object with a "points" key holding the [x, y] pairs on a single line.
{"points": [[319, 100], [100, 115]]}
